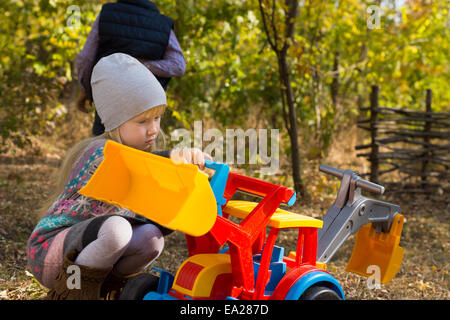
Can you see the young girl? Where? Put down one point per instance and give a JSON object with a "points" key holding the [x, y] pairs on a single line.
{"points": [[107, 244]]}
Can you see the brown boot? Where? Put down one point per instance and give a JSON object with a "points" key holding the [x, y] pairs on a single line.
{"points": [[113, 285], [91, 280]]}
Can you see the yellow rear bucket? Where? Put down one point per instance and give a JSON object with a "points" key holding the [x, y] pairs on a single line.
{"points": [[372, 251], [177, 196]]}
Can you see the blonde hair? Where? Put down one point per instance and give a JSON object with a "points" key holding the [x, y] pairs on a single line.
{"points": [[74, 153]]}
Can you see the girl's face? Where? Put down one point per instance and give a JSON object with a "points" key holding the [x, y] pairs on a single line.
{"points": [[141, 131]]}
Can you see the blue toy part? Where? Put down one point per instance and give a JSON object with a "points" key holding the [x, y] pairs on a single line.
{"points": [[277, 267], [309, 279], [165, 280], [164, 285], [224, 250], [153, 295], [292, 199], [218, 182]]}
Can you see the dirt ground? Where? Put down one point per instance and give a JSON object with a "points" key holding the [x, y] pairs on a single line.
{"points": [[27, 177]]}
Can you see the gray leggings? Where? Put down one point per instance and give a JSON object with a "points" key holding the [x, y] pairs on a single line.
{"points": [[125, 247]]}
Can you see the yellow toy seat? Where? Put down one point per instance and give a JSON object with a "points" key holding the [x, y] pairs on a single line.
{"points": [[177, 196], [280, 218], [372, 250]]}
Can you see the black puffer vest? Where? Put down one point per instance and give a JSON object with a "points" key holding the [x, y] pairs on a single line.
{"points": [[134, 27]]}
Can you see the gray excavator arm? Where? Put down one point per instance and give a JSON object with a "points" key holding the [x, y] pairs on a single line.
{"points": [[351, 211]]}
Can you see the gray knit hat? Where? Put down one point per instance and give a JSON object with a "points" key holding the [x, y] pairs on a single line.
{"points": [[122, 88]]}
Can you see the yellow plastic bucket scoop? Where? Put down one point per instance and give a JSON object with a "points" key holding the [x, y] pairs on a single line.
{"points": [[177, 196], [373, 253]]}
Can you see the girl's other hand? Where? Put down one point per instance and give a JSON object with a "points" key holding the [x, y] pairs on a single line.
{"points": [[190, 155]]}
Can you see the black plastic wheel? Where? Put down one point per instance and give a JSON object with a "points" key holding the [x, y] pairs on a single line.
{"points": [[138, 286], [320, 292]]}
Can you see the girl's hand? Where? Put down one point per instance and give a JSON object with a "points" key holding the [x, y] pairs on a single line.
{"points": [[190, 155]]}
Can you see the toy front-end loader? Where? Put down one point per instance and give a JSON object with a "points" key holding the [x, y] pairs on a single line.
{"points": [[230, 260]]}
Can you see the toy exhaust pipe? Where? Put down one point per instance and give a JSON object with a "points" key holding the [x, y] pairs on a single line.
{"points": [[363, 184]]}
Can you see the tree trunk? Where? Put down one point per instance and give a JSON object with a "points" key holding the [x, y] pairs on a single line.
{"points": [[293, 132], [280, 44], [334, 87]]}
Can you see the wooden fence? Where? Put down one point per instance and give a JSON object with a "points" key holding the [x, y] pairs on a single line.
{"points": [[412, 146]]}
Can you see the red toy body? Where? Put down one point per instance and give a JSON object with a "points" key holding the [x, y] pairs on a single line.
{"points": [[245, 241], [239, 260]]}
